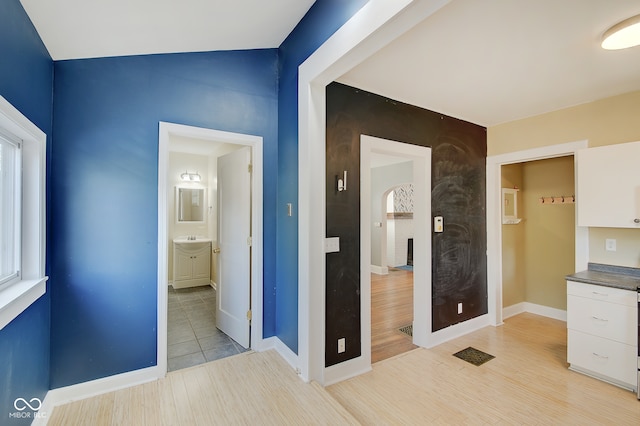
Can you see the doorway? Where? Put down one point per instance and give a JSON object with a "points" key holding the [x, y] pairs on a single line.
{"points": [[415, 163], [543, 233], [211, 144], [392, 234], [494, 219]]}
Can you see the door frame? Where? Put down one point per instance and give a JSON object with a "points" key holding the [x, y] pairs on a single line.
{"points": [[375, 25], [494, 217], [166, 132], [421, 159]]}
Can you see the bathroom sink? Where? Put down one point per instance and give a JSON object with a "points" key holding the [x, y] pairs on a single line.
{"points": [[186, 240]]}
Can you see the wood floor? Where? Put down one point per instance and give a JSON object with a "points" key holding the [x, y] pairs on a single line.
{"points": [[250, 388], [391, 308], [526, 383]]}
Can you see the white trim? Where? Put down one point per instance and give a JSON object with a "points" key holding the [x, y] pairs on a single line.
{"points": [[17, 297], [166, 131], [348, 369], [283, 350], [375, 25], [534, 308], [457, 330], [67, 394], [379, 270], [421, 165], [494, 218]]}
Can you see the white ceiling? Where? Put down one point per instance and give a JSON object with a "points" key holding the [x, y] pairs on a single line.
{"points": [[494, 61], [73, 29], [487, 62]]}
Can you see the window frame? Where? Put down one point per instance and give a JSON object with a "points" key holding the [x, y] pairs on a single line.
{"points": [[8, 139], [17, 295]]}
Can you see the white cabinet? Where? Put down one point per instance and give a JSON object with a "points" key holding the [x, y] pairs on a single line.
{"points": [[602, 332], [191, 264], [608, 186]]}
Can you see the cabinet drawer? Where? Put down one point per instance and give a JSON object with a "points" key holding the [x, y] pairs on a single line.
{"points": [[602, 356], [608, 320], [605, 294]]}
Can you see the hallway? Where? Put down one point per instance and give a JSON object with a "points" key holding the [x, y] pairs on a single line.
{"points": [[391, 309]]}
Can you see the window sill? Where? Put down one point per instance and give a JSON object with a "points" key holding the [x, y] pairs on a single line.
{"points": [[16, 298]]}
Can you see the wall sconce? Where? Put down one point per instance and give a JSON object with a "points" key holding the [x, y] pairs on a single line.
{"points": [[191, 177], [342, 183]]}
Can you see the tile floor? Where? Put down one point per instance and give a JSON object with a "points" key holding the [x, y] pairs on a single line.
{"points": [[192, 336]]}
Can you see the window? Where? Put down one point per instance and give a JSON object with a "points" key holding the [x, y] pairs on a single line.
{"points": [[10, 203], [22, 213]]}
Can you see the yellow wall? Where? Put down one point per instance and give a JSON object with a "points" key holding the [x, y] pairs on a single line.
{"points": [[549, 244], [604, 122], [539, 251]]}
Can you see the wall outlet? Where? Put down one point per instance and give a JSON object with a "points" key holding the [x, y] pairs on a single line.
{"points": [[610, 244], [341, 345], [459, 308]]}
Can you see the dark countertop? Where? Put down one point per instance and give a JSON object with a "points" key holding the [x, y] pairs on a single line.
{"points": [[609, 276]]}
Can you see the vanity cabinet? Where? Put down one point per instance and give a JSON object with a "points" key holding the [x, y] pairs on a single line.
{"points": [[191, 264], [602, 332], [608, 186]]}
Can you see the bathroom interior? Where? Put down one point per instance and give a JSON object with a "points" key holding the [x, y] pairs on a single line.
{"points": [[192, 335]]}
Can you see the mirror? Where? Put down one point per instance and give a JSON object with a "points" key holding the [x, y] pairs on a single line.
{"points": [[510, 206], [190, 204]]}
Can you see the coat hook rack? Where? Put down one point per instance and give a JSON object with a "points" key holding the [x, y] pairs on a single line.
{"points": [[558, 199]]}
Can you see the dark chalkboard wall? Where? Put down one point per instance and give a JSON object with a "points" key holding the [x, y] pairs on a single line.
{"points": [[459, 151]]}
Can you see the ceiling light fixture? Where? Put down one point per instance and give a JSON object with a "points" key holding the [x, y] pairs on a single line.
{"points": [[191, 177], [623, 34]]}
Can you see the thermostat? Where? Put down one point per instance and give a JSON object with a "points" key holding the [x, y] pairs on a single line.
{"points": [[438, 224]]}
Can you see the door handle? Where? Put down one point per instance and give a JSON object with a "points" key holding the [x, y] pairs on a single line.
{"points": [[216, 250]]}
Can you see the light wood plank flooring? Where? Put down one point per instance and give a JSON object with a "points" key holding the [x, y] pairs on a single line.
{"points": [[527, 383], [391, 308], [250, 388]]}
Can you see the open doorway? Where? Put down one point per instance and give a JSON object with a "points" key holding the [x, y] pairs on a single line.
{"points": [[190, 290], [392, 234], [495, 278], [542, 234], [396, 166]]}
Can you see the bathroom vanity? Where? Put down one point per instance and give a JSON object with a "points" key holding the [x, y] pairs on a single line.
{"points": [[191, 262]]}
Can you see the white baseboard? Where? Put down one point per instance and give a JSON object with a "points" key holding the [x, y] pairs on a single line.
{"points": [[283, 350], [457, 330], [67, 394], [534, 308], [346, 370], [379, 270]]}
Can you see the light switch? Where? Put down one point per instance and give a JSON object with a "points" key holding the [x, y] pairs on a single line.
{"points": [[332, 244]]}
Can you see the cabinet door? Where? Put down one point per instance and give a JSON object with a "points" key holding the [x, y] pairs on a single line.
{"points": [[608, 186], [182, 265], [202, 263], [604, 357]]}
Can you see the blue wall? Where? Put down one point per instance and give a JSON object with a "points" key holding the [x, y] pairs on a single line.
{"points": [[104, 192], [323, 19], [26, 75], [102, 189]]}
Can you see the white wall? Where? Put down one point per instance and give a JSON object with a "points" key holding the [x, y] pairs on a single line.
{"points": [[382, 180], [180, 162]]}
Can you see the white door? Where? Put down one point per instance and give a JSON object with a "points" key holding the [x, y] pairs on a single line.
{"points": [[234, 239]]}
